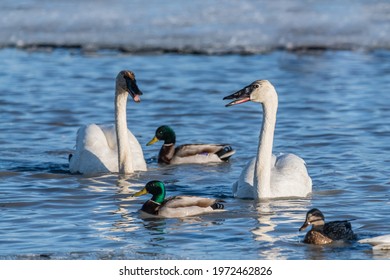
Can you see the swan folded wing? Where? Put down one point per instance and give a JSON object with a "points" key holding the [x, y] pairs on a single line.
{"points": [[92, 154], [288, 167], [135, 148], [243, 187], [289, 176], [97, 151], [138, 155], [93, 138], [75, 157], [288, 161], [110, 134]]}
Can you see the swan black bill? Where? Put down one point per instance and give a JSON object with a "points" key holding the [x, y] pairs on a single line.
{"points": [[134, 91], [240, 96]]}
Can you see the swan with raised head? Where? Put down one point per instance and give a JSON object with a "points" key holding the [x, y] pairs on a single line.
{"points": [[110, 148], [325, 233], [175, 206], [188, 153], [267, 175]]}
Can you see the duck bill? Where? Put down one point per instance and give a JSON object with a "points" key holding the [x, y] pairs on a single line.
{"points": [[151, 142], [304, 226], [239, 97], [133, 89], [141, 192]]}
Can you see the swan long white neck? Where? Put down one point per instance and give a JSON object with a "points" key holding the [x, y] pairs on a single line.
{"points": [[125, 164], [262, 176]]}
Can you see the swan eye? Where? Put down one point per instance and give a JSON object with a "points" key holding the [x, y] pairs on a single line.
{"points": [[256, 86]]}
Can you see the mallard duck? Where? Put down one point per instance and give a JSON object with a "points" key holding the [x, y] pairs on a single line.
{"points": [[110, 148], [268, 175], [325, 233], [175, 206], [188, 153]]}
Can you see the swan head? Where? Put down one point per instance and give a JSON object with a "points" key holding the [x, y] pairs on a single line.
{"points": [[313, 217], [259, 91], [165, 133], [125, 81], [155, 188]]}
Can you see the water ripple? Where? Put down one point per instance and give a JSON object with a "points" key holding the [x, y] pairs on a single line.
{"points": [[332, 112]]}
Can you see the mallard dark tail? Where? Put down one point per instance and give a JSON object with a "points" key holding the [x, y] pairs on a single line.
{"points": [[217, 206], [225, 153]]}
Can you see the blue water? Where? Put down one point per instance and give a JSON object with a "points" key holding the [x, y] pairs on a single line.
{"points": [[333, 112]]}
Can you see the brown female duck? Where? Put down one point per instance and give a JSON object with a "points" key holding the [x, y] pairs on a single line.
{"points": [[325, 233]]}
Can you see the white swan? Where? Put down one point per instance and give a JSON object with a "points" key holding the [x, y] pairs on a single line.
{"points": [[108, 148], [381, 242], [267, 175]]}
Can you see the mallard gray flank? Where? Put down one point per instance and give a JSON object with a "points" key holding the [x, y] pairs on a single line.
{"points": [[188, 153], [325, 233], [175, 206]]}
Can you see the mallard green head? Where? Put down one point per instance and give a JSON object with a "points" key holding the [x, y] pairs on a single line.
{"points": [[313, 217], [165, 133], [155, 188]]}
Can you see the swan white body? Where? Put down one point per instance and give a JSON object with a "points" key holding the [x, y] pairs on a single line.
{"points": [[267, 175], [286, 171], [97, 150], [381, 242], [109, 148]]}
